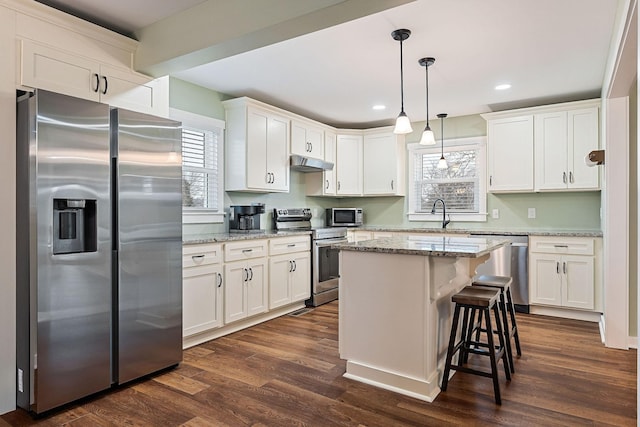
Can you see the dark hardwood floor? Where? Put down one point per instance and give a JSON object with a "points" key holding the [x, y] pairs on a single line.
{"points": [[287, 372]]}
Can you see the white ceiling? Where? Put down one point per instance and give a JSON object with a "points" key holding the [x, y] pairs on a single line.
{"points": [[548, 50]]}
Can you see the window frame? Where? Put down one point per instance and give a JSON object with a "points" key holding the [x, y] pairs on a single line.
{"points": [[458, 144], [205, 123]]}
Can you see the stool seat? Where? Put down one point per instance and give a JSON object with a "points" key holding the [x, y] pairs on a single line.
{"points": [[493, 281], [482, 297]]}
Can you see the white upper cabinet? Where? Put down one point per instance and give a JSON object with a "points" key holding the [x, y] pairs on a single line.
{"points": [[543, 148], [562, 140], [349, 165], [384, 164], [257, 147], [510, 153], [307, 140], [95, 66], [324, 183]]}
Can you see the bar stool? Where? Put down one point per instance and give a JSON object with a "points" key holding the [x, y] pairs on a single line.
{"points": [[484, 300], [503, 283]]}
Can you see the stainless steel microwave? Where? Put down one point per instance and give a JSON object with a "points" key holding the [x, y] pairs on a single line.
{"points": [[343, 217]]}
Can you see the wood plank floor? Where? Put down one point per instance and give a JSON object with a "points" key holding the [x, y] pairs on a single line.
{"points": [[286, 372]]}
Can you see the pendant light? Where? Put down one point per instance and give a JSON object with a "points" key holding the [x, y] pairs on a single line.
{"points": [[403, 124], [427, 135], [442, 163]]}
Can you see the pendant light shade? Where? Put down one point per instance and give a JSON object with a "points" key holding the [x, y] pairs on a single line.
{"points": [[442, 163], [403, 124], [428, 138]]}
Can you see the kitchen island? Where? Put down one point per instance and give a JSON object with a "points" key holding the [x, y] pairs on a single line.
{"points": [[395, 307]]}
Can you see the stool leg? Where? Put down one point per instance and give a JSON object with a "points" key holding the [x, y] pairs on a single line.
{"points": [[506, 332], [452, 341], [492, 357], [467, 332], [501, 340], [512, 313]]}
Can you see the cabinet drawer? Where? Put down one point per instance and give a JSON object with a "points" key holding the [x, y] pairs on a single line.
{"points": [[562, 245], [246, 249], [287, 245], [201, 255]]}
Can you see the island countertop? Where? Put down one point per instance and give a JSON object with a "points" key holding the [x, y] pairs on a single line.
{"points": [[471, 247]]}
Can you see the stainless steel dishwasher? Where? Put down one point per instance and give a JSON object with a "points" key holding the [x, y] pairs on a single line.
{"points": [[510, 261]]}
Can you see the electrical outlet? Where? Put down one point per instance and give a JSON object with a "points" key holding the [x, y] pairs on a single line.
{"points": [[531, 214], [495, 214]]}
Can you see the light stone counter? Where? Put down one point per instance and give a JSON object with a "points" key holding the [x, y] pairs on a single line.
{"points": [[230, 237], [395, 307]]}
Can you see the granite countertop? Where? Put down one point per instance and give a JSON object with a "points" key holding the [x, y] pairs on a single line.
{"points": [[228, 237], [470, 247], [512, 232]]}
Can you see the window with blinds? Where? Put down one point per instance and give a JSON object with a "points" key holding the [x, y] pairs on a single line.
{"points": [[200, 169], [458, 185]]}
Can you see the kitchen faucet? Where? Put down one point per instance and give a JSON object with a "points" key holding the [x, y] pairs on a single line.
{"points": [[444, 212]]}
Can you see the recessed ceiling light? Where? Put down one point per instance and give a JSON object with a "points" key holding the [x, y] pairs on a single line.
{"points": [[504, 86], [379, 107]]}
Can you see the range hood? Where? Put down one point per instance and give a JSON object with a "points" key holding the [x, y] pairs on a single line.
{"points": [[308, 164]]}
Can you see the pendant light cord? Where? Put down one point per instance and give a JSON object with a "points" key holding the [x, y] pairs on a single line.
{"points": [[427, 86], [442, 137], [401, 80]]}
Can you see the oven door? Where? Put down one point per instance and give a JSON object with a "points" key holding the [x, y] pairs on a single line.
{"points": [[326, 264]]}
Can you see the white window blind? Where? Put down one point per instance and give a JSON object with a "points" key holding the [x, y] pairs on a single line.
{"points": [[457, 185]]}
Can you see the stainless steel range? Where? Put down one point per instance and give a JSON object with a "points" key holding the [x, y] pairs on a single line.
{"points": [[325, 262]]}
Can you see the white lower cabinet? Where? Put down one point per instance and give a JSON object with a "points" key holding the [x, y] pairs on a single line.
{"points": [[563, 272], [289, 270], [246, 287], [202, 290]]}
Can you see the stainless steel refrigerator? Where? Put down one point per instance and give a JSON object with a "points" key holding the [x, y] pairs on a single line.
{"points": [[99, 247]]}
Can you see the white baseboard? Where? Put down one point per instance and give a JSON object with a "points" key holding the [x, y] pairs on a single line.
{"points": [[567, 313]]}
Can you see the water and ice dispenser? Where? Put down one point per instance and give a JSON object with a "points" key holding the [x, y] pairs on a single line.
{"points": [[74, 226]]}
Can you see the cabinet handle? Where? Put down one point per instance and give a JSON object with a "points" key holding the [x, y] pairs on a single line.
{"points": [[570, 177], [557, 267], [290, 266], [97, 82], [338, 185], [219, 280], [291, 245], [197, 257], [295, 266], [564, 177], [560, 246], [245, 275], [273, 178], [251, 271], [392, 184], [490, 180], [564, 267], [327, 185], [311, 147], [244, 251], [106, 85]]}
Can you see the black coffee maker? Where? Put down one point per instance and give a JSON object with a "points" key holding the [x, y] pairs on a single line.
{"points": [[245, 218]]}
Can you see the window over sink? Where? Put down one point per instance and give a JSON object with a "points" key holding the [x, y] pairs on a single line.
{"points": [[202, 167], [462, 185]]}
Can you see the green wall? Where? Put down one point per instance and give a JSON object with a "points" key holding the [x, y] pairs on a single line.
{"points": [[570, 210]]}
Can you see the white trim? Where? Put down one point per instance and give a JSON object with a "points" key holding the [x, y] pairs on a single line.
{"points": [[566, 313], [632, 342]]}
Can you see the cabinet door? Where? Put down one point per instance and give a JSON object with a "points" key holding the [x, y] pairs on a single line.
{"points": [[301, 277], [349, 165], [278, 153], [579, 289], [380, 169], [510, 151], [583, 138], [257, 125], [201, 299], [551, 151], [257, 291], [279, 291], [235, 289], [545, 279], [329, 184], [307, 140], [48, 68], [133, 91]]}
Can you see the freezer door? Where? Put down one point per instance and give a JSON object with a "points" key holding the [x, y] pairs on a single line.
{"points": [[149, 243], [69, 291]]}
